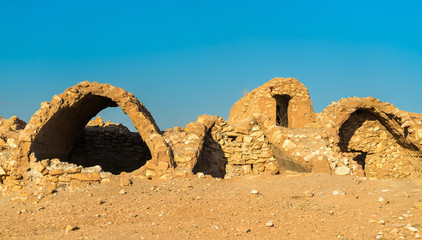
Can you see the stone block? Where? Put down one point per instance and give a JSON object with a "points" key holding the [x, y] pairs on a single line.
{"points": [[247, 139], [91, 176], [272, 168], [162, 166], [39, 167], [247, 169], [265, 154], [343, 170], [150, 173], [288, 145], [55, 172], [261, 139], [2, 172], [65, 178], [73, 170]]}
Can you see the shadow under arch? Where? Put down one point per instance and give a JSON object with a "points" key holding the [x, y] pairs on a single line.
{"points": [[56, 138], [54, 128]]}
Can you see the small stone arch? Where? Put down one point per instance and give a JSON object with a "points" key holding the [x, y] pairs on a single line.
{"points": [[53, 129], [396, 121], [366, 127], [286, 94]]}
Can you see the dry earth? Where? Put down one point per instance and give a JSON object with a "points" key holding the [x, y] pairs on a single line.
{"points": [[287, 206]]}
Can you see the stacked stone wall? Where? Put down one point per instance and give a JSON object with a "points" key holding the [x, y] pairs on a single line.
{"points": [[113, 147], [242, 146], [219, 149]]}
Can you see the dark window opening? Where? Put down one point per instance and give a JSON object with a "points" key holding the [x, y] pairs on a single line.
{"points": [[282, 108]]}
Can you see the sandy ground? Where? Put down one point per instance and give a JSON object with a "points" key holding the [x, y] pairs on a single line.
{"points": [[287, 206]]}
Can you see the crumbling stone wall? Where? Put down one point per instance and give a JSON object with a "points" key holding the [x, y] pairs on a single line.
{"points": [[243, 146], [9, 134], [220, 149], [59, 174]]}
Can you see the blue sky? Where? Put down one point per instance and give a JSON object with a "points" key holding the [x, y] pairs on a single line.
{"points": [[187, 58]]}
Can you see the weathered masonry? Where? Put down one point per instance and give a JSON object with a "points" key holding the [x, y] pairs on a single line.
{"points": [[54, 129], [271, 129]]}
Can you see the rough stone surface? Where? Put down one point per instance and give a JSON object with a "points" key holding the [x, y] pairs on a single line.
{"points": [[272, 129], [262, 100], [378, 139], [87, 176], [112, 146], [343, 170], [187, 143], [10, 130]]}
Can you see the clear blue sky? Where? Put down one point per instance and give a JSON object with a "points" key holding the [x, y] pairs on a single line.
{"points": [[186, 58]]}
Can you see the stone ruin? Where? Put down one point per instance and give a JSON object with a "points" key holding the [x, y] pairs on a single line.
{"points": [[270, 130]]}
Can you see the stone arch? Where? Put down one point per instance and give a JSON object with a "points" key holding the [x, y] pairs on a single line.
{"points": [[398, 122], [377, 133], [263, 100], [54, 128]]}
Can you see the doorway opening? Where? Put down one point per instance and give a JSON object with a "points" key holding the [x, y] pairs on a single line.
{"points": [[282, 109]]}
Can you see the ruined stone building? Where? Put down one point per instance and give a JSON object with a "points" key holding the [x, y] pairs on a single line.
{"points": [[271, 129]]}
